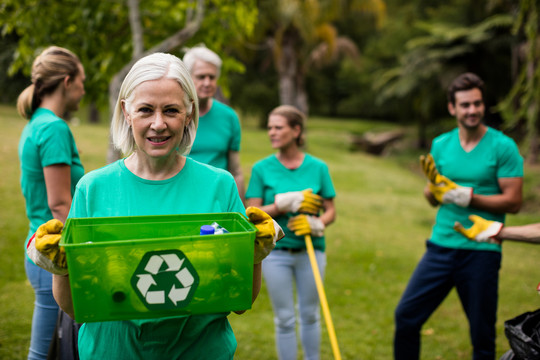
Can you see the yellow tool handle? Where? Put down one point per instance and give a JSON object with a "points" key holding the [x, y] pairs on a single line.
{"points": [[322, 297]]}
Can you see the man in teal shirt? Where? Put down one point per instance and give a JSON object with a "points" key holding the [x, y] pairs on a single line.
{"points": [[218, 137], [478, 171]]}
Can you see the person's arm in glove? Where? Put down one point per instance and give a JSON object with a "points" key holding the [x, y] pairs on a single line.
{"points": [[304, 201], [312, 225], [524, 233], [306, 225], [482, 230], [444, 190], [268, 233], [44, 250]]}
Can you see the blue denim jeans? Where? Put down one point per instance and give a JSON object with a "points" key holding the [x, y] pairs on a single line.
{"points": [[45, 311], [282, 270], [475, 274]]}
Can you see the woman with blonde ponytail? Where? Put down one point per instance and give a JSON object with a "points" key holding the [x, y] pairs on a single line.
{"points": [[50, 169]]}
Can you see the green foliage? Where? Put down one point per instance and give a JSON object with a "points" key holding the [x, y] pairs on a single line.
{"points": [[14, 84], [526, 89], [99, 32], [409, 50], [427, 57]]}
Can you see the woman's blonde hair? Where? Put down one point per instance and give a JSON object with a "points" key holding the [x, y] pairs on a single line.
{"points": [[294, 118], [49, 69], [154, 67]]}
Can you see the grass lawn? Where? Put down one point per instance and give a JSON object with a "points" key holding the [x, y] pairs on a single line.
{"points": [[373, 247]]}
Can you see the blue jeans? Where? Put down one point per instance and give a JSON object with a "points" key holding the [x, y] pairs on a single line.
{"points": [[475, 274], [45, 311], [281, 269]]}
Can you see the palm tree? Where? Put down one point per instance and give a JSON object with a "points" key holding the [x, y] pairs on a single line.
{"points": [[302, 37], [431, 60], [521, 106]]}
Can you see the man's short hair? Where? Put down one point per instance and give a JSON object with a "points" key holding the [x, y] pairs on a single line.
{"points": [[463, 82]]}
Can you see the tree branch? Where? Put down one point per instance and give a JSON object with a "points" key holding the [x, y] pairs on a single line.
{"points": [[172, 42]]}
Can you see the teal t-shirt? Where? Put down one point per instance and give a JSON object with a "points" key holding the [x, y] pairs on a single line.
{"points": [[496, 156], [218, 133], [115, 191], [46, 140], [269, 177]]}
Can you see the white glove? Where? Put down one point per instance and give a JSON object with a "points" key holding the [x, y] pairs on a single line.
{"points": [[482, 230], [448, 192], [299, 201], [306, 225], [268, 233], [443, 189], [43, 248]]}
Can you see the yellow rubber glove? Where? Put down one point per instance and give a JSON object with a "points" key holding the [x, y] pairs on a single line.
{"points": [[268, 233], [482, 230], [306, 225], [44, 250], [299, 201], [428, 167], [443, 189]]}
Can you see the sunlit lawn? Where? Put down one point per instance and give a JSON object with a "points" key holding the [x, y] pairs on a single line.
{"points": [[378, 238]]}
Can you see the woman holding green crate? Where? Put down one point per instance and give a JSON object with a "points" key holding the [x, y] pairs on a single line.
{"points": [[154, 123], [296, 189]]}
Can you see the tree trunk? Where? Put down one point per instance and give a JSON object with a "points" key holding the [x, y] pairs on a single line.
{"points": [[301, 101], [93, 113], [287, 68], [534, 148], [174, 41], [532, 111], [136, 28]]}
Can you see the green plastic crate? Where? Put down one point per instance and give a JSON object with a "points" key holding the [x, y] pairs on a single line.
{"points": [[139, 267]]}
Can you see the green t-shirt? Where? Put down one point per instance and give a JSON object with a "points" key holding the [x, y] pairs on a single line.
{"points": [[496, 156], [115, 191], [218, 133], [46, 140], [269, 177]]}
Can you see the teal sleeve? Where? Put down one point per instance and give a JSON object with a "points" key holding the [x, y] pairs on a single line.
{"points": [[236, 133], [255, 186], [511, 161], [54, 144], [327, 188]]}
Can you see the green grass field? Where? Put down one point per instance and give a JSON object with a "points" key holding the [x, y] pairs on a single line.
{"points": [[383, 221]]}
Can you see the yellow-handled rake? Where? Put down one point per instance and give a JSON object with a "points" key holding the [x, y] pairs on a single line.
{"points": [[322, 298]]}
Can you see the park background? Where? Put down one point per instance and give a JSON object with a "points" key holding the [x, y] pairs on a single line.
{"points": [[358, 68]]}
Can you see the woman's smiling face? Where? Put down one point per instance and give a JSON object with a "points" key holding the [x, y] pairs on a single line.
{"points": [[157, 115]]}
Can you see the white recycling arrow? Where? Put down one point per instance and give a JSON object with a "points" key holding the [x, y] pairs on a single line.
{"points": [[178, 294], [173, 262], [154, 263], [152, 297], [144, 283], [155, 297], [185, 277]]}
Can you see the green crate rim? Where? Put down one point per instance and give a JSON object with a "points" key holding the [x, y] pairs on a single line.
{"points": [[251, 229]]}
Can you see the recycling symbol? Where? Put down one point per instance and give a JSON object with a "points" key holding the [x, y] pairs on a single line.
{"points": [[165, 280]]}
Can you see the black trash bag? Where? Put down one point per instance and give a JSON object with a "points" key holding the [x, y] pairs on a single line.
{"points": [[523, 333]]}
